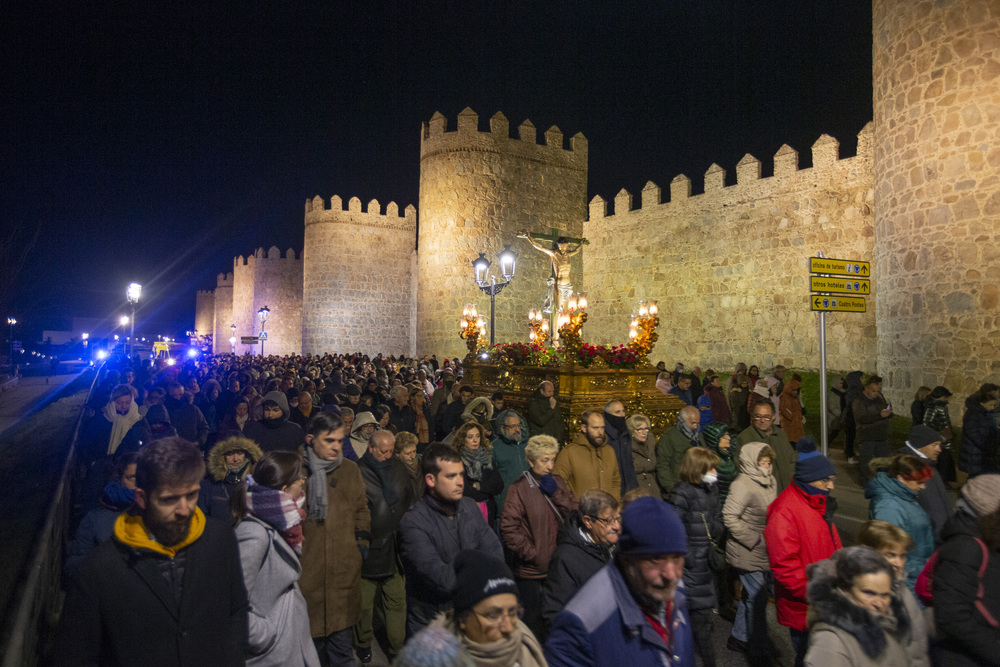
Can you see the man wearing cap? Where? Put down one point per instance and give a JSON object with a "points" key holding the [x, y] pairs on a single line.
{"points": [[631, 612], [799, 532], [925, 443]]}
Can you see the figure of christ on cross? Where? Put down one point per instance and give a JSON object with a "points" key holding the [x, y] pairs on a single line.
{"points": [[559, 249]]}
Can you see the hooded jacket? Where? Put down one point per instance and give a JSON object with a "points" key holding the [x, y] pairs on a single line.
{"points": [[745, 512], [890, 500], [187, 418], [574, 561], [218, 483], [530, 524], [711, 435], [699, 509], [842, 634], [357, 440], [791, 411], [934, 498], [797, 534], [784, 462], [508, 454], [277, 434], [980, 451]]}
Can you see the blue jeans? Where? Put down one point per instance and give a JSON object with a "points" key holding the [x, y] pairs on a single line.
{"points": [[751, 614]]}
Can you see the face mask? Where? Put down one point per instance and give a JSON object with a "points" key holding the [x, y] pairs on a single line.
{"points": [[710, 478]]}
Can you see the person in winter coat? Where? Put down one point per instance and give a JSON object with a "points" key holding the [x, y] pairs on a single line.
{"points": [[584, 545], [967, 606], [854, 389], [672, 446], [696, 499], [938, 418], [759, 394], [590, 464], [98, 525], [337, 537], [791, 411], [537, 504], [934, 498], [618, 437], [980, 437], [835, 406], [406, 452], [643, 452], [744, 514], [544, 414], [633, 611], [269, 531], [508, 450], [718, 399], [856, 618], [917, 407], [303, 410], [236, 419], [362, 429], [230, 463], [482, 479], [390, 493], [763, 430], [893, 498], [159, 423], [274, 431], [717, 438], [485, 615], [893, 543], [872, 413], [118, 426], [185, 415], [799, 532], [433, 531], [739, 398]]}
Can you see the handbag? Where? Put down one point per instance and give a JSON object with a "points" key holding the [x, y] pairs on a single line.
{"points": [[716, 551]]}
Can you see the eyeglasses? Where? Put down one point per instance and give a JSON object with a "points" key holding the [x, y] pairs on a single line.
{"points": [[826, 480], [641, 428], [608, 522], [763, 418], [496, 615]]}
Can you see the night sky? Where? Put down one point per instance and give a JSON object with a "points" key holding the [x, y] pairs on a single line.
{"points": [[156, 141]]}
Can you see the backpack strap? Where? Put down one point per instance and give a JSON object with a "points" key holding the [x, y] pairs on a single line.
{"points": [[980, 593]]}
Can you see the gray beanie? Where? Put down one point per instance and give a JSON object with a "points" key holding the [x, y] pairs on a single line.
{"points": [[433, 647], [982, 493]]}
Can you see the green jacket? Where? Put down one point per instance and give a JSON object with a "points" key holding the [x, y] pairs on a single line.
{"points": [[509, 456], [669, 454], [784, 463]]}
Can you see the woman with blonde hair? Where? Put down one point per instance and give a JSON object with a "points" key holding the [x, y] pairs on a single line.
{"points": [[696, 498], [482, 478], [643, 451], [421, 425]]}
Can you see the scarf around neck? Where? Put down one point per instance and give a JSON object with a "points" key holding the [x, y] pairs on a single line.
{"points": [[277, 509], [521, 648], [120, 424], [381, 470], [475, 460], [316, 498], [689, 433]]}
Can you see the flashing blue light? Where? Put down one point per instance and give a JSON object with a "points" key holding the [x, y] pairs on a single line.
{"points": [[192, 352], [101, 354]]}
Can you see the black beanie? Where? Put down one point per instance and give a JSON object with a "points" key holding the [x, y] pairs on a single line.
{"points": [[479, 576]]}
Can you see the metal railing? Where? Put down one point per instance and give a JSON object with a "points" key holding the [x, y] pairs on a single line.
{"points": [[39, 598]]}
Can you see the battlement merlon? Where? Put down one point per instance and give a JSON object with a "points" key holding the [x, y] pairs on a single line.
{"points": [[224, 280], [826, 161], [435, 138], [206, 292], [317, 212]]}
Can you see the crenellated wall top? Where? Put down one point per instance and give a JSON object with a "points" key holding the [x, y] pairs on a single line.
{"points": [[317, 211]]}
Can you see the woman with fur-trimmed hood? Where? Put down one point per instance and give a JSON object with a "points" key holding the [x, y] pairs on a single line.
{"points": [[855, 616], [230, 463]]}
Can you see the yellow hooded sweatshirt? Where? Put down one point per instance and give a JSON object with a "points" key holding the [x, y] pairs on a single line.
{"points": [[131, 531]]}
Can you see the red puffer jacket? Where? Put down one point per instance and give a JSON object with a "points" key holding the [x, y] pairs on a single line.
{"points": [[797, 534], [530, 525]]}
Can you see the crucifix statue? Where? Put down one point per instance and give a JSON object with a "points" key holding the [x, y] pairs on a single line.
{"points": [[559, 249]]}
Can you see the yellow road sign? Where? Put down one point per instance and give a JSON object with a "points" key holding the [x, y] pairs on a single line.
{"points": [[861, 286], [840, 267], [841, 304]]}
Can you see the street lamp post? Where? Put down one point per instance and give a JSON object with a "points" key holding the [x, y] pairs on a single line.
{"points": [[11, 321], [480, 266], [132, 293], [232, 339], [262, 316]]}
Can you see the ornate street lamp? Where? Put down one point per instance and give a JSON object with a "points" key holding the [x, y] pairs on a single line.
{"points": [[481, 267], [232, 339], [132, 294], [262, 316]]}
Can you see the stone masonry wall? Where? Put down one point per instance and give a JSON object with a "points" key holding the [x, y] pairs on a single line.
{"points": [[204, 312], [244, 313], [358, 281], [477, 190], [278, 285], [223, 315], [936, 68], [730, 267]]}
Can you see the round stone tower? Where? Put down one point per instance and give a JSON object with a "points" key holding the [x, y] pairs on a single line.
{"points": [[936, 78], [477, 190]]}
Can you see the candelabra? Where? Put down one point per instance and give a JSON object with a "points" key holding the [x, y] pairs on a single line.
{"points": [[539, 327], [472, 328], [571, 320], [642, 332]]}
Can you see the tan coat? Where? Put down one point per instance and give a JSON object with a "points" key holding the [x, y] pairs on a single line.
{"points": [[644, 462], [585, 467], [745, 512], [331, 559]]}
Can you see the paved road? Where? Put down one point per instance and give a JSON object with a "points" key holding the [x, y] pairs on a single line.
{"points": [[18, 401]]}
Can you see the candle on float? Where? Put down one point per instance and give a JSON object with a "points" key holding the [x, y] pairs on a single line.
{"points": [[633, 334], [545, 327], [642, 309], [571, 304], [583, 302], [653, 309]]}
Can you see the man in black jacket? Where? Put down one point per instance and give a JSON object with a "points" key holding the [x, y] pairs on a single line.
{"points": [[275, 431], [390, 493], [167, 589], [433, 531]]}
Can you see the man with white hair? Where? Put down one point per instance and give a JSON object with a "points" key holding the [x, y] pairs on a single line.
{"points": [[673, 444], [401, 413]]}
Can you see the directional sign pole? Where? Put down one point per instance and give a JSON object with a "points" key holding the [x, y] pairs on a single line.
{"points": [[822, 382]]}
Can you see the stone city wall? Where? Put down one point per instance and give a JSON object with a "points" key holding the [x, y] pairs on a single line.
{"points": [[477, 190], [936, 69], [729, 267], [276, 282], [358, 289], [204, 312], [223, 315]]}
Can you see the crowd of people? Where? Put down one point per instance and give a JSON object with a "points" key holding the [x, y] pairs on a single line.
{"points": [[286, 511]]}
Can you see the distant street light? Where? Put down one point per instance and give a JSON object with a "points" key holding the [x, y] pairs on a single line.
{"points": [[11, 321], [132, 294], [262, 316], [232, 339]]}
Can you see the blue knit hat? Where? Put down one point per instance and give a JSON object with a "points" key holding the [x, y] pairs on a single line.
{"points": [[649, 527], [811, 465], [433, 647]]}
